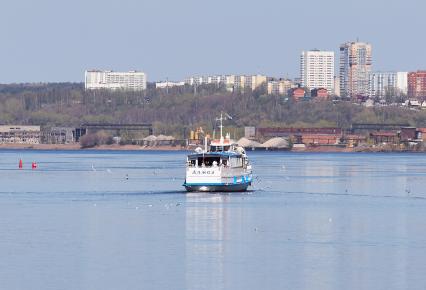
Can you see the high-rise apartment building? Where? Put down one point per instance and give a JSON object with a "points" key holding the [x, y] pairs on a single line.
{"points": [[384, 84], [417, 84], [317, 70], [337, 86], [111, 80], [355, 68]]}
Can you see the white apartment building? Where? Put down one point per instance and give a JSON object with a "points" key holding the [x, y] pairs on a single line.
{"points": [[216, 79], [317, 69], [280, 87], [167, 84], [388, 83], [192, 81], [111, 80], [230, 81], [402, 82]]}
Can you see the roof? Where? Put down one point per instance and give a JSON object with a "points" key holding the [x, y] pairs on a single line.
{"points": [[215, 154], [384, 134], [351, 136], [19, 128], [320, 136]]}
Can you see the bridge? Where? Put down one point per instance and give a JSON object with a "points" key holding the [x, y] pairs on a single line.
{"points": [[356, 127], [86, 127]]}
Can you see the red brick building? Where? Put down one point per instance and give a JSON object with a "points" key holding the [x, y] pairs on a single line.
{"points": [[417, 84], [320, 94], [298, 93]]}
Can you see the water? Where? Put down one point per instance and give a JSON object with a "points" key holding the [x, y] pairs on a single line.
{"points": [[121, 220]]}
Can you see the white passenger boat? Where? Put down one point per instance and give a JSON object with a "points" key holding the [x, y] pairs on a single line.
{"points": [[221, 166]]}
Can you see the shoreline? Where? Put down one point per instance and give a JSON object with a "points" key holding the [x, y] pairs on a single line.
{"points": [[115, 147], [77, 147]]}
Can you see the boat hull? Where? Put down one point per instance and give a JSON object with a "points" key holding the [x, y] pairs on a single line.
{"points": [[216, 188]]}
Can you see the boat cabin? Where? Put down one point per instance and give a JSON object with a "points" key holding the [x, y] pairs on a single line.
{"points": [[216, 159]]}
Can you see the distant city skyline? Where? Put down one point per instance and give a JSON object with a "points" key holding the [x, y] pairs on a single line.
{"points": [[55, 41]]}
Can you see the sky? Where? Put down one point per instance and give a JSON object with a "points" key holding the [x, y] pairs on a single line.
{"points": [[56, 40]]}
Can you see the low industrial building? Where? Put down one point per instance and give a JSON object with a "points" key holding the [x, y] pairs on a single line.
{"points": [[19, 134], [319, 139], [285, 132], [58, 135], [384, 137]]}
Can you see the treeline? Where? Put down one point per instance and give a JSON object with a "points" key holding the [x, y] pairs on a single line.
{"points": [[177, 110]]}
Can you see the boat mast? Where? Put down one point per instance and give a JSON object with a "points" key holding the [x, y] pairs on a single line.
{"points": [[221, 126], [227, 116]]}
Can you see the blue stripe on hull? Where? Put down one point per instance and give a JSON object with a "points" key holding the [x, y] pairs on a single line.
{"points": [[216, 187]]}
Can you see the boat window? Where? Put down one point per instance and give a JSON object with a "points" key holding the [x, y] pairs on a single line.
{"points": [[219, 148], [208, 161]]}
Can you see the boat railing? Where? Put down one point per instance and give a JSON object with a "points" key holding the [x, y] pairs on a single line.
{"points": [[209, 166]]}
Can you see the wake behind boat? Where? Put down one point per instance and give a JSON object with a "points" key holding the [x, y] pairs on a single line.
{"points": [[221, 166]]}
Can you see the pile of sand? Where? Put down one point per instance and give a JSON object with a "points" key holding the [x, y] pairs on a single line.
{"points": [[246, 143], [277, 142]]}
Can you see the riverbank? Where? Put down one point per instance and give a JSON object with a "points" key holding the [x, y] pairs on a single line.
{"points": [[117, 147], [114, 147]]}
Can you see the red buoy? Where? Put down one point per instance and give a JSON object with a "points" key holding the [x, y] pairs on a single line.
{"points": [[34, 165], [20, 164]]}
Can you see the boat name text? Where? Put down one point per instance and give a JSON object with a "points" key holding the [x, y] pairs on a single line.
{"points": [[204, 172]]}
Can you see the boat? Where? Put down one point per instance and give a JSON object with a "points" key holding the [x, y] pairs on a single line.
{"points": [[222, 166]]}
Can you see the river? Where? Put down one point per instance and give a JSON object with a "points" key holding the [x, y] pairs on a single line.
{"points": [[121, 220]]}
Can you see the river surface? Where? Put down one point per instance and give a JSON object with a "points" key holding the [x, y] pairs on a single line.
{"points": [[121, 220]]}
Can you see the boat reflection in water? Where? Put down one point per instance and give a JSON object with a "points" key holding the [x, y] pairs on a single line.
{"points": [[206, 233]]}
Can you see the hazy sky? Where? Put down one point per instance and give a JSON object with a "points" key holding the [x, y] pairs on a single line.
{"points": [[56, 40]]}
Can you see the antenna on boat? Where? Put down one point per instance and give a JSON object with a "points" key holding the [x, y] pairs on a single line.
{"points": [[226, 117]]}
